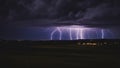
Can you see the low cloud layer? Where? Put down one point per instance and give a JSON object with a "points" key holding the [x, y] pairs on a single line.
{"points": [[59, 12]]}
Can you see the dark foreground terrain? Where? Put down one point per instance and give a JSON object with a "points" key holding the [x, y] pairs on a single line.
{"points": [[58, 56]]}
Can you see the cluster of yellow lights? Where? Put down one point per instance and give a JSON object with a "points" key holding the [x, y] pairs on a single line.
{"points": [[88, 44]]}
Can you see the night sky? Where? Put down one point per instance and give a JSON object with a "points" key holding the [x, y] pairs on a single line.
{"points": [[37, 19]]}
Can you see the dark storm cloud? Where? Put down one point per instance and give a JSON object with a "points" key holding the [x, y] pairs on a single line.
{"points": [[59, 12]]}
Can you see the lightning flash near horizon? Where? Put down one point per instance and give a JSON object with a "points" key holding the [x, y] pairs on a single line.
{"points": [[60, 33], [74, 32]]}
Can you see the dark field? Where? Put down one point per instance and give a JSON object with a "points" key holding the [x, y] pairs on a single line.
{"points": [[58, 56]]}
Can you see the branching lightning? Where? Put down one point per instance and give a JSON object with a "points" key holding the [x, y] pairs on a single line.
{"points": [[77, 32], [54, 31]]}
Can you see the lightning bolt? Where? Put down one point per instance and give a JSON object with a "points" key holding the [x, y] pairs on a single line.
{"points": [[53, 33], [70, 34], [76, 32], [81, 34], [102, 33], [60, 33]]}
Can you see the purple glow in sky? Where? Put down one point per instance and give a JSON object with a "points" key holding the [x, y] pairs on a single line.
{"points": [[58, 33], [77, 32]]}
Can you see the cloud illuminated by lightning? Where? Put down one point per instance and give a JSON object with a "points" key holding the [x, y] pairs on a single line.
{"points": [[74, 31]]}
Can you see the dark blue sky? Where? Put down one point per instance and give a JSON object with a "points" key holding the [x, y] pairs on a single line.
{"points": [[22, 33], [44, 33]]}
